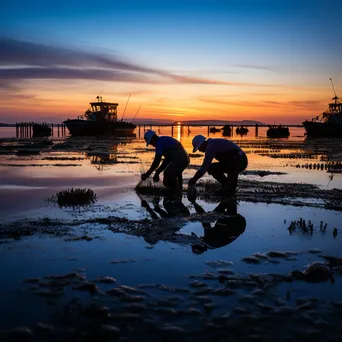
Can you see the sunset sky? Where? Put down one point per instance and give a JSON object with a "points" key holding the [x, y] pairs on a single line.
{"points": [[266, 60]]}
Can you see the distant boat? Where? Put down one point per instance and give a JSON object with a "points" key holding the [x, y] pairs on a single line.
{"points": [[242, 130], [41, 130], [214, 130], [280, 131], [99, 119], [329, 123], [226, 131]]}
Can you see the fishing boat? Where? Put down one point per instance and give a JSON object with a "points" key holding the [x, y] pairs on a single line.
{"points": [[279, 131], [242, 130], [329, 123], [226, 130], [214, 130], [99, 119]]}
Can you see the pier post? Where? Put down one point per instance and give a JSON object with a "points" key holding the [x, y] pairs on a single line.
{"points": [[144, 129], [256, 130], [16, 130], [208, 130], [232, 130], [52, 130], [188, 130], [171, 130], [139, 130], [58, 130]]}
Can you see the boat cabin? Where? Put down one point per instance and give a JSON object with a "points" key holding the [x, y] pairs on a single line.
{"points": [[102, 111]]}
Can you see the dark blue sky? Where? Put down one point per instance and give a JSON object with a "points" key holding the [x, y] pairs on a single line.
{"points": [[287, 44]]}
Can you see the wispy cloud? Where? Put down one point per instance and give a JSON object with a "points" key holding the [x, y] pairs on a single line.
{"points": [[263, 104], [20, 60], [258, 67]]}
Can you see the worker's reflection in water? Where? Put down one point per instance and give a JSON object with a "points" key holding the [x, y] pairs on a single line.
{"points": [[223, 230], [173, 207], [218, 231]]}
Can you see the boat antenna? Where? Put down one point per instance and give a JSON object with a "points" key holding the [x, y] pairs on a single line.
{"points": [[135, 114], [125, 107], [333, 89]]}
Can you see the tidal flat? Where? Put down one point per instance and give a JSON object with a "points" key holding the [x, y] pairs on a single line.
{"points": [[136, 264]]}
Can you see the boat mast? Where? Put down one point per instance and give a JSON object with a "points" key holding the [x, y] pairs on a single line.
{"points": [[125, 107], [335, 97], [136, 114]]}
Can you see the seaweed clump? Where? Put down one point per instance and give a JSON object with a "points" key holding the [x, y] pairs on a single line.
{"points": [[74, 197]]}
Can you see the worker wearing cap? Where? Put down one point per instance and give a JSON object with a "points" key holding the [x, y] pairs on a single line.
{"points": [[175, 160], [231, 160]]}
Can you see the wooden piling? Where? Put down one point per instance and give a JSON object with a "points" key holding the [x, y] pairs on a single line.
{"points": [[208, 130], [171, 130], [256, 130]]}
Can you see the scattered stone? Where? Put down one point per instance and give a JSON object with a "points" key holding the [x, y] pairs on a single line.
{"points": [[277, 254], [198, 284], [116, 292], [314, 251], [121, 261], [171, 329], [251, 260], [87, 286], [127, 298], [218, 263], [106, 280], [313, 273], [225, 271]]}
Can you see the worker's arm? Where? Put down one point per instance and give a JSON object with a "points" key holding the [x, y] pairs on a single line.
{"points": [[154, 165], [206, 163], [163, 165]]}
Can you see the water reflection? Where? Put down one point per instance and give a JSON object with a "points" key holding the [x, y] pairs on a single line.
{"points": [[173, 207], [220, 227], [221, 231]]}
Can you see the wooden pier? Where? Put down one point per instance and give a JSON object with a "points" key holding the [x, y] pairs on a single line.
{"points": [[25, 129], [142, 128]]}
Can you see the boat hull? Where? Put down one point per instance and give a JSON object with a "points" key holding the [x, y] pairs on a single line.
{"points": [[322, 130], [78, 127]]}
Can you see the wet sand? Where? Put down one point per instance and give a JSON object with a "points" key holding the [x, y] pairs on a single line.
{"points": [[140, 265]]}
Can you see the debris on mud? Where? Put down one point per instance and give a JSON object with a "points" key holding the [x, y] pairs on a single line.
{"points": [[74, 197]]}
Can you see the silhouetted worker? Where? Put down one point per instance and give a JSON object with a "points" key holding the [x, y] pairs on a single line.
{"points": [[175, 160], [231, 160], [226, 229]]}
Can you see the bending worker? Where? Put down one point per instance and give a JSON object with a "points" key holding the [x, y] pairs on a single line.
{"points": [[175, 160], [231, 160]]}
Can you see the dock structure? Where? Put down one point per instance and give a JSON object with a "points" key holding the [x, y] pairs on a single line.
{"points": [[142, 128], [25, 129]]}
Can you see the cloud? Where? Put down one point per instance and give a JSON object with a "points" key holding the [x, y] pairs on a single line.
{"points": [[258, 67], [20, 60]]}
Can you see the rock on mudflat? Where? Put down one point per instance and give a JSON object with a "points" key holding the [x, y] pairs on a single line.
{"points": [[313, 273], [106, 280]]}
